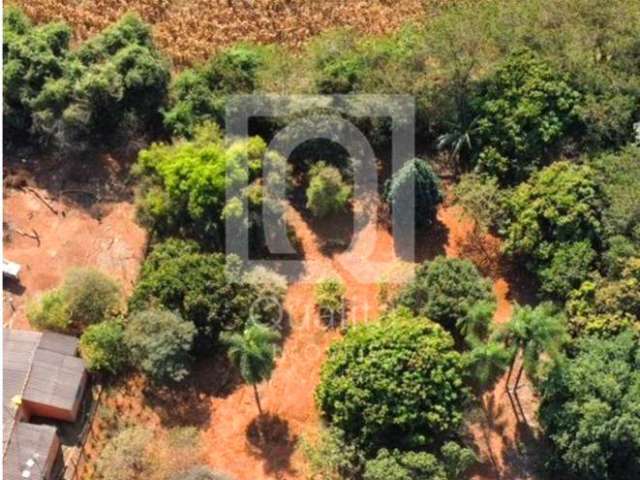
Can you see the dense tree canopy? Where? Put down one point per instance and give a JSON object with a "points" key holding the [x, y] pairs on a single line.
{"points": [[556, 223], [200, 94], [524, 109], [115, 81], [160, 344], [426, 192], [201, 287], [184, 186], [444, 290], [397, 382], [590, 409]]}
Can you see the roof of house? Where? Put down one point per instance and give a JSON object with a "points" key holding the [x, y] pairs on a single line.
{"points": [[28, 450], [39, 368]]}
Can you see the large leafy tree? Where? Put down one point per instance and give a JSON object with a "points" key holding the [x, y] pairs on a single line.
{"points": [[184, 186], [33, 56], [606, 306], [590, 409], [525, 108], [253, 352], [397, 382], [200, 286], [445, 290], [200, 94], [117, 81], [160, 344], [558, 207]]}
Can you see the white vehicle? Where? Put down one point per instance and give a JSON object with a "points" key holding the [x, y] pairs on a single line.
{"points": [[10, 269]]}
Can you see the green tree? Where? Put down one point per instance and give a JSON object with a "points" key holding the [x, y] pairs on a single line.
{"points": [[327, 193], [86, 297], [559, 206], [205, 289], [33, 56], [333, 457], [160, 344], [482, 200], [589, 409], [426, 192], [184, 186], [525, 109], [445, 289], [254, 352], [330, 295], [396, 382], [533, 332], [396, 465], [102, 347], [114, 82], [201, 94], [603, 306]]}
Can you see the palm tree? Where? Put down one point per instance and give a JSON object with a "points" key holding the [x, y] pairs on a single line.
{"points": [[533, 332], [475, 326], [459, 140], [253, 352]]}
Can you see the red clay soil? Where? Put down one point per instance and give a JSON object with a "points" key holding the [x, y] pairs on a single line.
{"points": [[507, 421], [71, 237], [232, 443]]}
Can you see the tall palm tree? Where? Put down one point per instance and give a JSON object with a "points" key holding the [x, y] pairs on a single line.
{"points": [[533, 332], [475, 326], [253, 352], [459, 140]]}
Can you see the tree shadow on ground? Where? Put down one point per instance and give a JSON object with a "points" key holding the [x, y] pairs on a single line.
{"points": [[429, 243], [524, 456], [334, 232], [87, 180], [188, 403], [270, 439]]}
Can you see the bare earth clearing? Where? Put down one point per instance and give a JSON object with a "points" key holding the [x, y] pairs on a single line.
{"points": [[50, 227]]}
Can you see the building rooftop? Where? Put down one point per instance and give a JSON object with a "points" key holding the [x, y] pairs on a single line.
{"points": [[39, 369]]}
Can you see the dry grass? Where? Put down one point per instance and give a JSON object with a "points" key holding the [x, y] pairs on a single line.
{"points": [[190, 30]]}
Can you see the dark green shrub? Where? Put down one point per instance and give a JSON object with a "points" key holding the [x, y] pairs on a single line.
{"points": [[200, 94], [445, 290], [590, 412], [160, 344], [33, 57], [197, 286], [102, 347], [427, 194]]}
